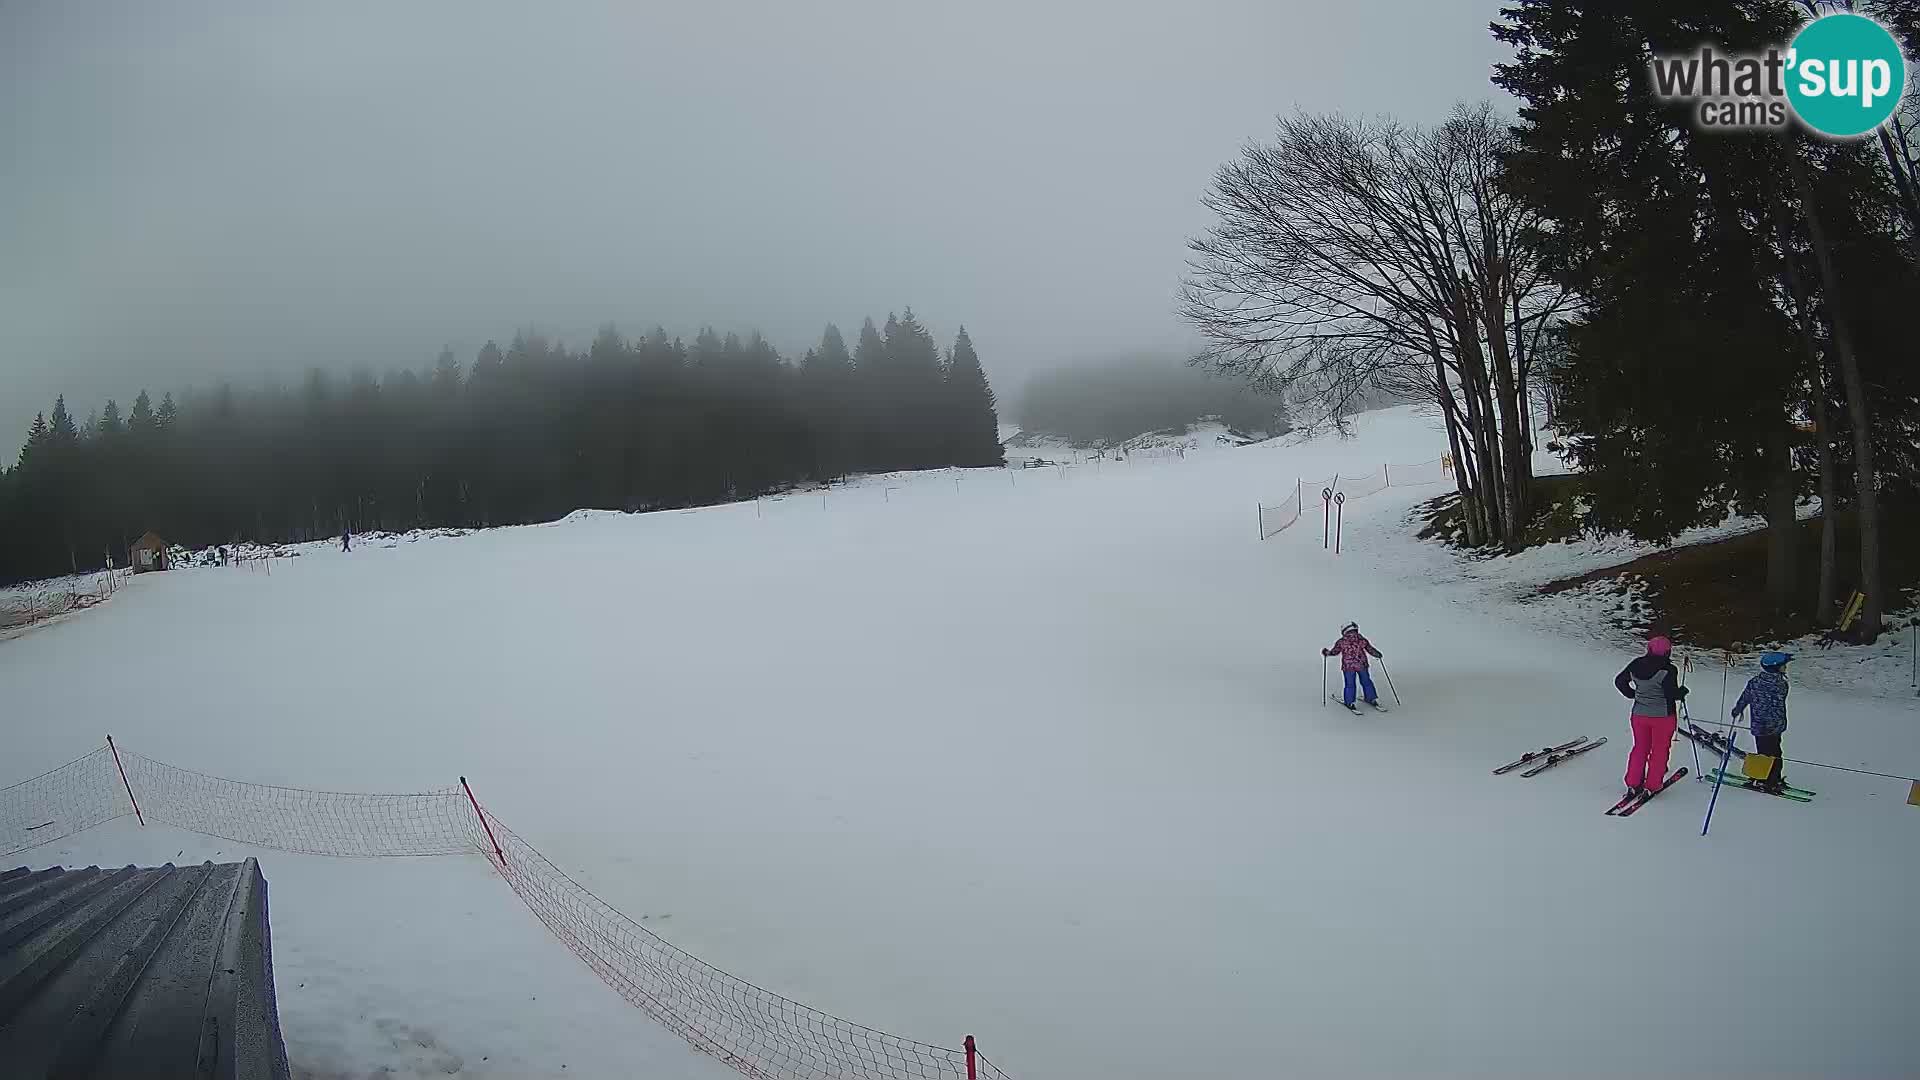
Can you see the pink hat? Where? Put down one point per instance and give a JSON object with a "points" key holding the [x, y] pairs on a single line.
{"points": [[1660, 646]]}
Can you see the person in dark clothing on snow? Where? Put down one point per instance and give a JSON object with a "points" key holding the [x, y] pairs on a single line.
{"points": [[1652, 683], [1353, 650], [1765, 702]]}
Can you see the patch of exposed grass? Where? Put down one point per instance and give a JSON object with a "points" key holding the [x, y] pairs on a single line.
{"points": [[1715, 594]]}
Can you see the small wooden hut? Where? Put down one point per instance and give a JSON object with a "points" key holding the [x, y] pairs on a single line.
{"points": [[149, 553]]}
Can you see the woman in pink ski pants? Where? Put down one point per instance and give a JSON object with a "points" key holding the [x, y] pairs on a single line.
{"points": [[1652, 683]]}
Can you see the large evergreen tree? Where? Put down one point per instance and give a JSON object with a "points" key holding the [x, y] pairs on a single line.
{"points": [[36, 439], [1691, 369], [60, 428], [973, 424], [140, 420], [872, 397], [914, 378], [827, 386]]}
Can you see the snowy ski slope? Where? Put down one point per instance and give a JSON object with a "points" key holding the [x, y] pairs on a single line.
{"points": [[1041, 757]]}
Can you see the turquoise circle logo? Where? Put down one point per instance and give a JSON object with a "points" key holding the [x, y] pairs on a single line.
{"points": [[1846, 75]]}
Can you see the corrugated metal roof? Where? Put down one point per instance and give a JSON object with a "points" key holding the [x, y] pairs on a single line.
{"points": [[138, 972]]}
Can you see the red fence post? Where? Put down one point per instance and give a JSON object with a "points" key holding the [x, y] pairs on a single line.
{"points": [[141, 818], [483, 821], [972, 1071]]}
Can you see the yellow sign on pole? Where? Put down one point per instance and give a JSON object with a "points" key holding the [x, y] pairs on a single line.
{"points": [[1757, 766], [1913, 797], [1854, 603]]}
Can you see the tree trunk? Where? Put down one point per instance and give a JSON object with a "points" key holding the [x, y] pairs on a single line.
{"points": [[1782, 528], [1523, 374], [1822, 431], [1450, 409], [1480, 425], [1486, 437], [1823, 603], [1860, 416], [1512, 434], [1473, 462], [1469, 513]]}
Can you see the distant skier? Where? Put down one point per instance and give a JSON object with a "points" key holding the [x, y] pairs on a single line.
{"points": [[1765, 701], [1353, 650], [1652, 683], [346, 539]]}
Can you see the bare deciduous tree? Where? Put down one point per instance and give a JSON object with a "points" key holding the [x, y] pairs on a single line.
{"points": [[1352, 256]]}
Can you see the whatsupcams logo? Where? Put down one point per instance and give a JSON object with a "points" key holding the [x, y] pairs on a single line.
{"points": [[1842, 75]]}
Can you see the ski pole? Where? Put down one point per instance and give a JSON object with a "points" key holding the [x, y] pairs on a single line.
{"points": [[1719, 778], [1389, 675], [1323, 680], [1686, 667], [1688, 720]]}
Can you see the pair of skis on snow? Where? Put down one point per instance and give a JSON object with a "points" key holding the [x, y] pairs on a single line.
{"points": [[1355, 707], [1549, 756], [1784, 791], [1712, 740], [1718, 743], [1632, 801]]}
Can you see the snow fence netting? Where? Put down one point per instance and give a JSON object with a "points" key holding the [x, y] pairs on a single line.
{"points": [[1420, 474], [61, 802], [301, 821], [25, 605], [1275, 519], [1278, 517], [1359, 487], [757, 1032]]}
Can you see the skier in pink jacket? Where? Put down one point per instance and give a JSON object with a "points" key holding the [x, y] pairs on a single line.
{"points": [[1353, 650]]}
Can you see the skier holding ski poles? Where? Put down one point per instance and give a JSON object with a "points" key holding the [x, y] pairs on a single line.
{"points": [[1652, 683], [1765, 702], [1353, 650]]}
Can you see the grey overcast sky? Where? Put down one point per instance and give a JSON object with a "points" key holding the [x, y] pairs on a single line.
{"points": [[193, 191]]}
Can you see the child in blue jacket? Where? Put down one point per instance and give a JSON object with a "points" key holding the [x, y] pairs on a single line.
{"points": [[1765, 701]]}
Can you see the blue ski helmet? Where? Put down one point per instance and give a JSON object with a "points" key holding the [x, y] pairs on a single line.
{"points": [[1774, 661]]}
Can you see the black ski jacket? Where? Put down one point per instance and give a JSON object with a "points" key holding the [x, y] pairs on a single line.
{"points": [[1652, 683]]}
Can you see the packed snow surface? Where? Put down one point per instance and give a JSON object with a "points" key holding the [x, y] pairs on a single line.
{"points": [[1038, 755]]}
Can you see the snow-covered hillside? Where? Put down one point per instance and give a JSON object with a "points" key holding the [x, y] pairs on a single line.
{"points": [[1025, 446], [1038, 755]]}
